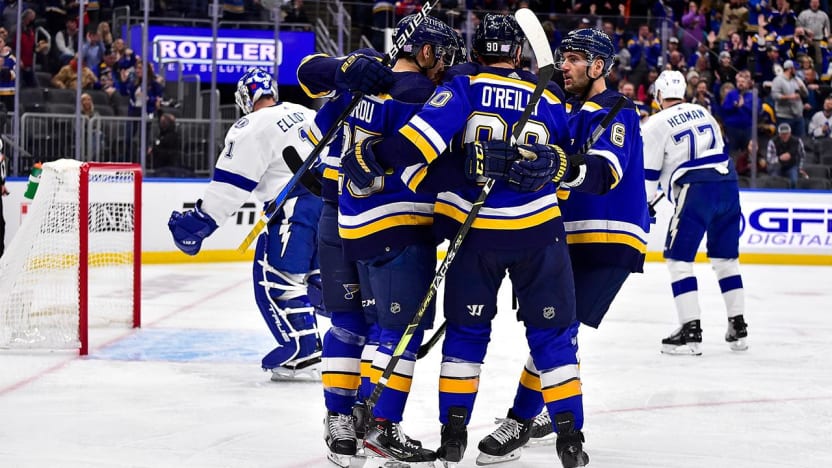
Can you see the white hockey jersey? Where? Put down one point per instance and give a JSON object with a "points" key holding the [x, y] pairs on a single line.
{"points": [[252, 160], [677, 140]]}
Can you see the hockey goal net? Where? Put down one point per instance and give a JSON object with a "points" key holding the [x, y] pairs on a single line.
{"points": [[75, 261]]}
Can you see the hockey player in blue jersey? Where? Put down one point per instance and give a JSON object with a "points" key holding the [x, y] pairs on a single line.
{"points": [[518, 230], [605, 214], [385, 229], [285, 268], [684, 152]]}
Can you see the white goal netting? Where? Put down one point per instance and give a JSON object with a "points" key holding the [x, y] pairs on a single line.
{"points": [[56, 279]]}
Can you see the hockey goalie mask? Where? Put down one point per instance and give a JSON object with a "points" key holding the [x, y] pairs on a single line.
{"points": [[252, 86], [669, 85]]}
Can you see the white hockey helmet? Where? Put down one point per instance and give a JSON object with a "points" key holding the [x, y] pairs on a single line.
{"points": [[669, 85]]}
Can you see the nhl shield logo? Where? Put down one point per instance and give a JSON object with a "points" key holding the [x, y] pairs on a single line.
{"points": [[395, 308], [548, 313]]}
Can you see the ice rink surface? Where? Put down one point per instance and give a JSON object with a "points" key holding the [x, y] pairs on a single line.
{"points": [[186, 390]]}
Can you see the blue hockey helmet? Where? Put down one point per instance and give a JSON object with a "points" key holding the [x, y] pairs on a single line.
{"points": [[416, 30], [253, 85], [593, 43], [498, 36]]}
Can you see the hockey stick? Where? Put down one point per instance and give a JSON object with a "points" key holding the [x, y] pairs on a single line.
{"points": [[533, 30], [593, 138], [275, 205]]}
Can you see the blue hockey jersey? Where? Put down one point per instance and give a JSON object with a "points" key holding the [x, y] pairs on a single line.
{"points": [[484, 103], [608, 229], [387, 215]]}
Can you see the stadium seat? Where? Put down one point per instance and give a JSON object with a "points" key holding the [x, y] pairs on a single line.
{"points": [[817, 171], [32, 96], [773, 182], [61, 96], [814, 184], [44, 79]]}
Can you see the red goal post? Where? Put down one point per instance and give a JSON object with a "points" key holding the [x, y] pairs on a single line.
{"points": [[75, 262]]}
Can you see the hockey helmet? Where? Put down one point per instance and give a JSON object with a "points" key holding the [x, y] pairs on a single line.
{"points": [[669, 85], [416, 30], [593, 43], [498, 36], [253, 85]]}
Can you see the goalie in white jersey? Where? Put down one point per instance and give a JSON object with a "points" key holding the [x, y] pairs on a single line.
{"points": [[684, 152], [253, 162]]}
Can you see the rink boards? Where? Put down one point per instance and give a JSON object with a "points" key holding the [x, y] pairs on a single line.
{"points": [[778, 226]]}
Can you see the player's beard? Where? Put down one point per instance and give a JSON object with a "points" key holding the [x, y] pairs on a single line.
{"points": [[575, 83]]}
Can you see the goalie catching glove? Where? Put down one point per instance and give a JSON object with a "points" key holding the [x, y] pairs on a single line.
{"points": [[359, 163], [190, 228], [526, 167], [364, 74]]}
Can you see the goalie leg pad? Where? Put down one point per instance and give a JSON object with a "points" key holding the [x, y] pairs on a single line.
{"points": [[281, 298]]}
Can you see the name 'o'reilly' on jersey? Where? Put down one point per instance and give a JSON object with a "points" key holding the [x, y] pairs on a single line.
{"points": [[608, 229], [387, 215], [679, 142], [484, 103], [251, 162]]}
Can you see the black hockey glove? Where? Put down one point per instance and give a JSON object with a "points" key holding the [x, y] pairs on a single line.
{"points": [[492, 159], [538, 165], [364, 74], [359, 163]]}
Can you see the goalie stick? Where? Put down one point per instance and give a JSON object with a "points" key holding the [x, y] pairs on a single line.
{"points": [[533, 30], [275, 205], [593, 138]]}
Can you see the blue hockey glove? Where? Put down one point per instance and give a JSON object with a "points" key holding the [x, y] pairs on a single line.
{"points": [[538, 165], [190, 228], [364, 74], [359, 163], [492, 159]]}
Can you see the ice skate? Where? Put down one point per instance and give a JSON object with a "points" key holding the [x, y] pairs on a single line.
{"points": [[454, 437], [686, 340], [737, 333], [542, 431], [506, 442], [307, 368], [387, 444], [570, 442], [339, 435]]}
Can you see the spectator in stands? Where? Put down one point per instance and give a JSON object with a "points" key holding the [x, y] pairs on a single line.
{"points": [[55, 13], [737, 113], [165, 154], [92, 50], [785, 155], [734, 19], [295, 13], [66, 41], [67, 76], [89, 112], [29, 46], [814, 100], [724, 71], [743, 160], [820, 127], [781, 19], [8, 66], [106, 36], [788, 93], [644, 52], [815, 21], [87, 106], [234, 10], [692, 79], [703, 95], [693, 24]]}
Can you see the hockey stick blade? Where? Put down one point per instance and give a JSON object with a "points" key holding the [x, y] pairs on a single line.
{"points": [[536, 36], [275, 205], [596, 134]]}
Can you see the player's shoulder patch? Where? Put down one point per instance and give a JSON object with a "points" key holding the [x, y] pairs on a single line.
{"points": [[241, 123]]}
